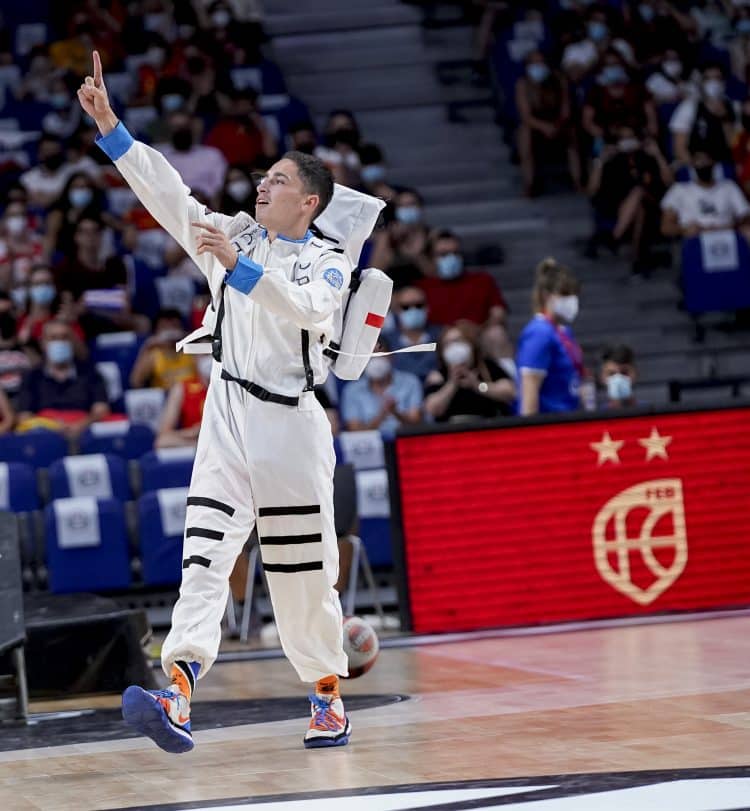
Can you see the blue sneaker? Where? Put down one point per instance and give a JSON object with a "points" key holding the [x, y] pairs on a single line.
{"points": [[162, 715], [329, 725]]}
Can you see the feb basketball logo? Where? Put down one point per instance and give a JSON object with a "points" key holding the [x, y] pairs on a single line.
{"points": [[639, 536]]}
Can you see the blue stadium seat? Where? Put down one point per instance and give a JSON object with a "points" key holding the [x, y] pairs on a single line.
{"points": [[120, 437], [161, 518], [168, 467], [373, 509], [96, 475], [87, 545], [724, 287], [38, 448], [121, 348], [18, 490], [375, 534]]}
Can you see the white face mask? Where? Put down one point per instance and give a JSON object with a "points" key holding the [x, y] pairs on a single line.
{"points": [[238, 190], [566, 307], [15, 224], [713, 88], [619, 387], [672, 67], [457, 353], [378, 369]]}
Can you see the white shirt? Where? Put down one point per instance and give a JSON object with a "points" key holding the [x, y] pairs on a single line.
{"points": [[201, 167], [663, 89], [683, 117], [717, 206]]}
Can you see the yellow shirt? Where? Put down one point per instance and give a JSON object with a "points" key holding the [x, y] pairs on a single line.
{"points": [[171, 367]]}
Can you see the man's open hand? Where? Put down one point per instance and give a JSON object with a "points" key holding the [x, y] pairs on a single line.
{"points": [[92, 95], [215, 241]]}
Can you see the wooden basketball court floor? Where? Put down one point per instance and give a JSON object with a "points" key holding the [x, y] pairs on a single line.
{"points": [[651, 716]]}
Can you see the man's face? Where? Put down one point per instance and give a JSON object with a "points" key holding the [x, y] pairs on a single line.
{"points": [[410, 298], [445, 247], [87, 235], [55, 331], [282, 199], [611, 367]]}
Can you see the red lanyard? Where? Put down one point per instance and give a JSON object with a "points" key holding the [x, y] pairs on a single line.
{"points": [[572, 349]]}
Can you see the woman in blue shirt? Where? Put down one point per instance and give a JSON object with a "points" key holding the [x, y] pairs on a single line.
{"points": [[549, 360]]}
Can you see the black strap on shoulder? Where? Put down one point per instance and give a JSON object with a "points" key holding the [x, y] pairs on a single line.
{"points": [[216, 340], [309, 376]]}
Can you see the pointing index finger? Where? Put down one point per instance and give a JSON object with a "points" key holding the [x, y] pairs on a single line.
{"points": [[97, 69]]}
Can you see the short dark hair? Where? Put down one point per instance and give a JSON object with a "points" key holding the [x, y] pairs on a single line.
{"points": [[316, 177], [621, 354]]}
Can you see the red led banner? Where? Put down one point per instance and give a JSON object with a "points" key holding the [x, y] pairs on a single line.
{"points": [[576, 520]]}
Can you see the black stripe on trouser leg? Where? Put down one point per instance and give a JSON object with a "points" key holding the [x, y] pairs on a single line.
{"points": [[199, 560], [312, 566], [202, 532], [283, 540], [212, 503], [267, 512]]}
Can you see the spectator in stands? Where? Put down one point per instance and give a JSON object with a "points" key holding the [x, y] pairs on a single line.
{"points": [[201, 167], [80, 198], [241, 133], [617, 375], [14, 362], [705, 122], [45, 181], [61, 394], [302, 138], [44, 304], [466, 384], [36, 83], [739, 45], [183, 410], [158, 363], [341, 141], [412, 327], [704, 204], [495, 344], [383, 399], [617, 101], [373, 172], [455, 294], [98, 285], [583, 55], [404, 239], [544, 112], [549, 360], [741, 148], [652, 25], [20, 246], [239, 192], [668, 83], [63, 119], [626, 185]]}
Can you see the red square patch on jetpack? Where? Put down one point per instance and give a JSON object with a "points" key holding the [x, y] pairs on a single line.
{"points": [[374, 320]]}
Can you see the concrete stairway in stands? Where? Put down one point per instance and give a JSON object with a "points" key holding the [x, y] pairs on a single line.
{"points": [[439, 134]]}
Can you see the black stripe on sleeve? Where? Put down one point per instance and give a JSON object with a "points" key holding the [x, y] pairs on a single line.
{"points": [[267, 512], [284, 540], [197, 559], [201, 501], [202, 532], [312, 566]]}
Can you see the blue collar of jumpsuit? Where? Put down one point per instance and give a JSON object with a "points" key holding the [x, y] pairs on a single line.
{"points": [[289, 239]]}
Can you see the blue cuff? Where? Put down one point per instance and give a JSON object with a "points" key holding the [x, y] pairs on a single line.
{"points": [[245, 275], [116, 143]]}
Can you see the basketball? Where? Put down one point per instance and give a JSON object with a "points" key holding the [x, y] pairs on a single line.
{"points": [[361, 645]]}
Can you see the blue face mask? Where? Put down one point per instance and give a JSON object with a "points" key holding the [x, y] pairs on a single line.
{"points": [[42, 293], [449, 266], [59, 352], [409, 215], [613, 74], [537, 72], [647, 13], [597, 30], [372, 173], [413, 318], [619, 387], [743, 26], [172, 102], [80, 198]]}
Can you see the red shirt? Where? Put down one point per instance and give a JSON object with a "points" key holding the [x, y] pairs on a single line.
{"points": [[193, 399], [240, 142], [470, 296]]}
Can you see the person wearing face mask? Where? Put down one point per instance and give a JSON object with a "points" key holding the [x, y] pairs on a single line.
{"points": [[383, 399], [455, 294], [667, 83], [339, 150], [705, 122], [80, 197], [404, 239], [239, 192], [626, 184], [549, 360], [617, 376], [373, 172], [615, 101], [241, 134], [20, 246], [63, 394], [201, 167], [183, 409], [466, 384], [741, 149], [543, 104], [45, 181], [705, 203], [14, 362], [158, 364], [412, 327], [581, 56]]}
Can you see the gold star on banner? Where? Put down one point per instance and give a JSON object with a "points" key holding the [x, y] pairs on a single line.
{"points": [[608, 449], [655, 445]]}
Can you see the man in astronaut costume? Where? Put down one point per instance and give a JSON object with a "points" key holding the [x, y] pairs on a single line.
{"points": [[265, 454]]}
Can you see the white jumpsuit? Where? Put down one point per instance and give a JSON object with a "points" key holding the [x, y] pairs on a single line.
{"points": [[258, 463]]}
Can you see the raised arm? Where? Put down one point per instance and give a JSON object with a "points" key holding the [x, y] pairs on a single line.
{"points": [[155, 182]]}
